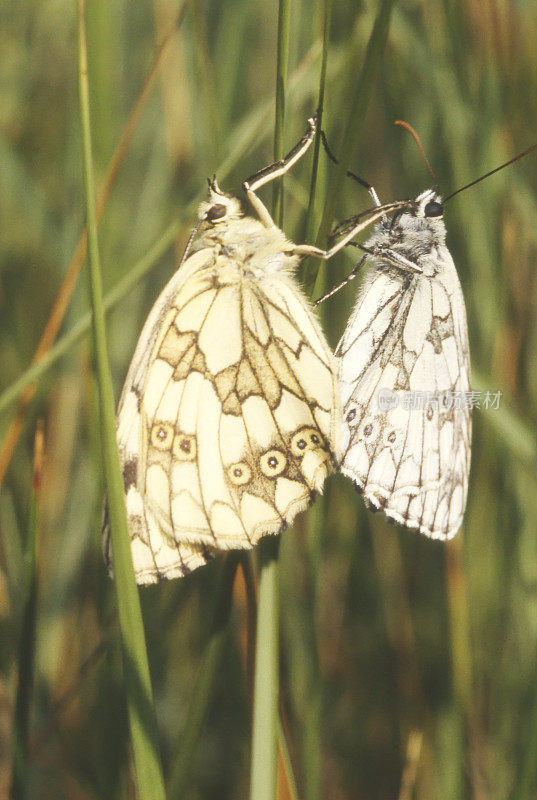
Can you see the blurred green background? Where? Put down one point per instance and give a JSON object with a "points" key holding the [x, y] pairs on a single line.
{"points": [[408, 668]]}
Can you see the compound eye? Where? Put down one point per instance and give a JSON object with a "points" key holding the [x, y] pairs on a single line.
{"points": [[216, 212], [434, 209]]}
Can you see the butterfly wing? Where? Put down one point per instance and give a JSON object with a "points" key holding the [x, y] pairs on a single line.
{"points": [[226, 425], [407, 342]]}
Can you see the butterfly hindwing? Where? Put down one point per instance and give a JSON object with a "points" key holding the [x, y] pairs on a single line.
{"points": [[225, 433]]}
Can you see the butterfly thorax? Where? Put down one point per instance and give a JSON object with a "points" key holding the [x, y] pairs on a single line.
{"points": [[245, 247]]}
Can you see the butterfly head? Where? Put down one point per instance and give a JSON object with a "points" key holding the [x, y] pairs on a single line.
{"points": [[219, 206], [425, 212], [414, 228], [428, 205]]}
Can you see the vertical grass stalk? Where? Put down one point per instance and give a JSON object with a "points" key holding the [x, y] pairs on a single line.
{"points": [[21, 723], [264, 759], [281, 81], [265, 728], [218, 630], [360, 91], [313, 716], [525, 789], [310, 219], [142, 716], [287, 765]]}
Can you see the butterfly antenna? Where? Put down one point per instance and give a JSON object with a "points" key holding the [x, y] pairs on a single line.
{"points": [[492, 171], [350, 174], [335, 160], [416, 138], [189, 243]]}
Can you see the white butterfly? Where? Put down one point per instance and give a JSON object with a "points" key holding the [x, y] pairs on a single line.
{"points": [[405, 345], [228, 419]]}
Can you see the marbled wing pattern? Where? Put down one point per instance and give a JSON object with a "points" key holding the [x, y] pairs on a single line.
{"points": [[407, 338], [227, 422]]}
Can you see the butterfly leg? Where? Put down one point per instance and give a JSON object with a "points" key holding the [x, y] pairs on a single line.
{"points": [[352, 227], [354, 272], [396, 259], [385, 254], [276, 170], [392, 257]]}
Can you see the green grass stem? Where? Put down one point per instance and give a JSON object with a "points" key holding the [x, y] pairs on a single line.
{"points": [[20, 786], [310, 219], [142, 716], [265, 729], [282, 60], [525, 790], [287, 762], [207, 674], [360, 91], [317, 526], [264, 758]]}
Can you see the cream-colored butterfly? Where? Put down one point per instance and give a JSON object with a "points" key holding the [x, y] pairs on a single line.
{"points": [[228, 420]]}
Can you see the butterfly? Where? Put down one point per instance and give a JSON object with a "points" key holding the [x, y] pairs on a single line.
{"points": [[404, 375], [228, 421]]}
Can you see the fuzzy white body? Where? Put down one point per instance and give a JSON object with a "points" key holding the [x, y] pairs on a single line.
{"points": [[228, 419], [408, 335]]}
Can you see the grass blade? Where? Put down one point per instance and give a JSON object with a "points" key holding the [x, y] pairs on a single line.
{"points": [[360, 92], [528, 773], [284, 9], [264, 759], [310, 220], [264, 756], [287, 781], [26, 661], [208, 671], [136, 668], [70, 280]]}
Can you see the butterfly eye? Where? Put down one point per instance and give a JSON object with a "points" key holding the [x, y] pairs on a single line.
{"points": [[272, 463], [240, 473], [216, 212], [434, 209], [184, 447], [162, 435]]}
